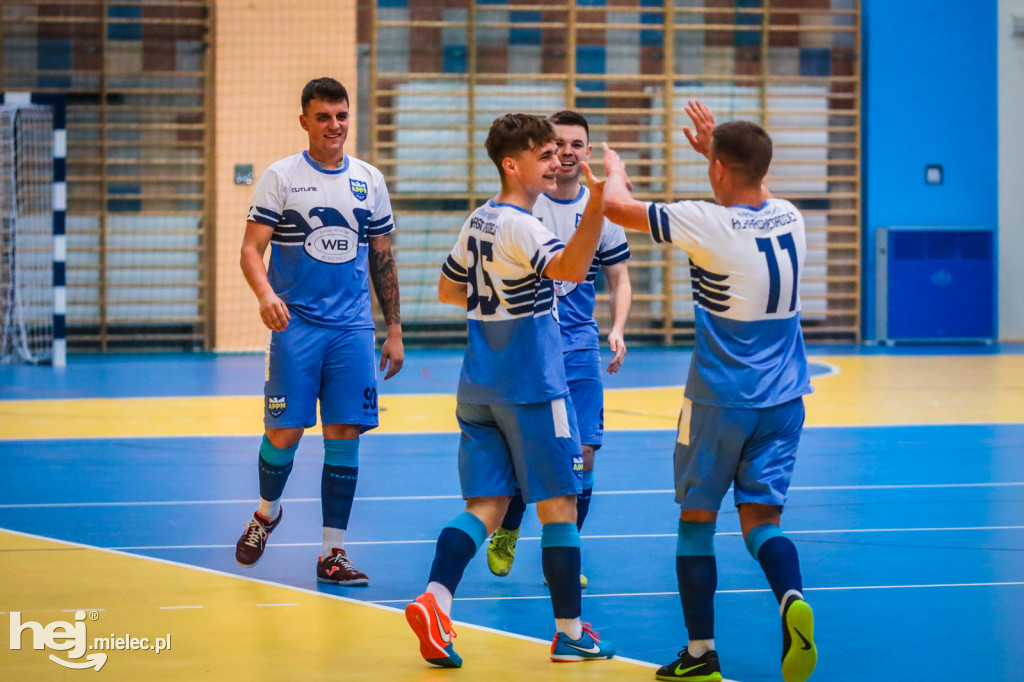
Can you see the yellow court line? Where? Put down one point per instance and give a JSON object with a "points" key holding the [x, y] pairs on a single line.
{"points": [[866, 391], [225, 627]]}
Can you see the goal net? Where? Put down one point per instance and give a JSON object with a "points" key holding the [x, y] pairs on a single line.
{"points": [[26, 234]]}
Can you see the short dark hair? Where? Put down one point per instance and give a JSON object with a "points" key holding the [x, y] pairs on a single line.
{"points": [[745, 148], [324, 89], [514, 133], [569, 117]]}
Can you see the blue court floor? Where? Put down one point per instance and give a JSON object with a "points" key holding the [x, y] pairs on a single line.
{"points": [[910, 536]]}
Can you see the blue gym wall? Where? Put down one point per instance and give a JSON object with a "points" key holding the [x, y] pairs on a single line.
{"points": [[930, 97]]}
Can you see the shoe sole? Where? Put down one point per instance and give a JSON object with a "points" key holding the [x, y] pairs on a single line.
{"points": [[419, 619], [714, 677], [572, 658], [798, 663], [346, 583]]}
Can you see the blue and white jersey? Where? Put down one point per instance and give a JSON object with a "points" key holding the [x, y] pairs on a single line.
{"points": [[576, 301], [745, 265], [514, 355], [319, 262]]}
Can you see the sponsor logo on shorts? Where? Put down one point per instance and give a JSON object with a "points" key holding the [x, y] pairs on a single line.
{"points": [[577, 466], [359, 189], [277, 404]]}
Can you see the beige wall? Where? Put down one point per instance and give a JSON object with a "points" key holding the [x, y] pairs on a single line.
{"points": [[264, 52]]}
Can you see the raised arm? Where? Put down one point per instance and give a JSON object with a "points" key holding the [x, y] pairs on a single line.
{"points": [[572, 263], [619, 205], [451, 292], [384, 275]]}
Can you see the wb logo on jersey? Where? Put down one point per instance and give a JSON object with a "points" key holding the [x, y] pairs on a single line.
{"points": [[333, 244], [359, 189], [277, 404]]}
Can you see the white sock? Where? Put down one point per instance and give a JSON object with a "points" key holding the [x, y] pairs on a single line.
{"points": [[333, 537], [699, 647], [270, 509], [572, 627], [442, 596], [790, 594]]}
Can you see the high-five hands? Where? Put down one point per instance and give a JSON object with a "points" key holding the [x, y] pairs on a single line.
{"points": [[704, 123]]}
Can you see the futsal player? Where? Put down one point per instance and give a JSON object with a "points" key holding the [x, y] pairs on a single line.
{"points": [[327, 219], [561, 211], [513, 405], [743, 410]]}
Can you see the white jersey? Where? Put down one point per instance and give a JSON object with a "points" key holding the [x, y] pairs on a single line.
{"points": [[319, 263], [514, 354], [745, 266], [576, 301]]}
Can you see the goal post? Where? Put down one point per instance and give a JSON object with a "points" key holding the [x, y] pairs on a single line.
{"points": [[33, 245]]}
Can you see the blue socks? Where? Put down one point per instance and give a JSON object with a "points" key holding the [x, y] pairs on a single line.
{"points": [[697, 575], [583, 499], [778, 558], [560, 557], [338, 482], [274, 466], [514, 516], [456, 546]]}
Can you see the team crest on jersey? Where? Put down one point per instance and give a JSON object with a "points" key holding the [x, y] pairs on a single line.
{"points": [[359, 189], [578, 217], [564, 288], [332, 244], [277, 404]]}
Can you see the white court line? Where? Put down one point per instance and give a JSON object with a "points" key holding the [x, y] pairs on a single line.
{"points": [[840, 588], [406, 498], [300, 590], [171, 608], [637, 536]]}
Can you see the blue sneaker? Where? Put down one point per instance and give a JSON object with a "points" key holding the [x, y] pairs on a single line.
{"points": [[587, 648]]}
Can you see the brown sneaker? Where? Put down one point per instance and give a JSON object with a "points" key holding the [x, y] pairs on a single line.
{"points": [[250, 546], [338, 570]]}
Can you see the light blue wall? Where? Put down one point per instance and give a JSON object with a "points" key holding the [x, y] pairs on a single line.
{"points": [[930, 97]]}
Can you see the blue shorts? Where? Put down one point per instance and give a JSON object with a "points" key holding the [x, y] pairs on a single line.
{"points": [[583, 372], [753, 449], [306, 363], [535, 447]]}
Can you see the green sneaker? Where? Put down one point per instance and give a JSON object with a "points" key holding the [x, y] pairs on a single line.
{"points": [[501, 551], [583, 582], [799, 655]]}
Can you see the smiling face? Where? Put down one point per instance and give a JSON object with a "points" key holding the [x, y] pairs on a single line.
{"points": [[573, 149], [326, 123], [535, 170]]}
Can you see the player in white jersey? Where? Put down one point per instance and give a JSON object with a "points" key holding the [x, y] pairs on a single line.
{"points": [[514, 410], [561, 211], [743, 411], [327, 220]]}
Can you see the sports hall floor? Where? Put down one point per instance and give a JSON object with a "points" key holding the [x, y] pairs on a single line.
{"points": [[126, 479]]}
